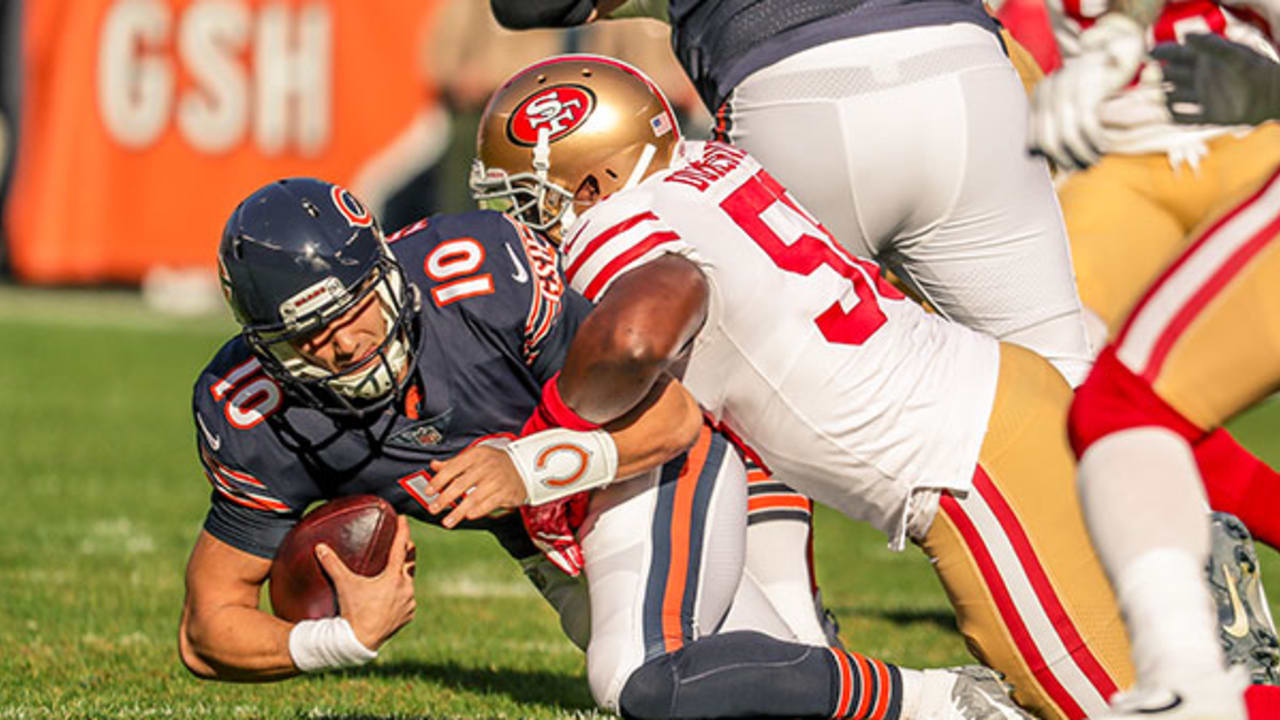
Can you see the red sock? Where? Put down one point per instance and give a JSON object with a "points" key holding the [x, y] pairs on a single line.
{"points": [[1262, 702], [1239, 483]]}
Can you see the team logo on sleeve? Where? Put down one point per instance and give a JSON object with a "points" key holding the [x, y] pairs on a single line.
{"points": [[559, 109]]}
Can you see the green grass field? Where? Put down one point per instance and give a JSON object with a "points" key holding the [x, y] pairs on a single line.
{"points": [[102, 497]]}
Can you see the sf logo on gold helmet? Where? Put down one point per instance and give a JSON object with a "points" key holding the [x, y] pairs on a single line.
{"points": [[559, 110]]}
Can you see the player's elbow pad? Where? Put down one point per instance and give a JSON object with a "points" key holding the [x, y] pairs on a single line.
{"points": [[525, 14]]}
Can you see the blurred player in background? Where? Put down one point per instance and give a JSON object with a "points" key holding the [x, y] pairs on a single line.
{"points": [[1184, 362], [363, 363], [900, 125], [1141, 182], [842, 387], [1210, 79], [1144, 182]]}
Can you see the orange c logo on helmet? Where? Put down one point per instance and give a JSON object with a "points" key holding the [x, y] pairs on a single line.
{"points": [[582, 457], [355, 213], [560, 109]]}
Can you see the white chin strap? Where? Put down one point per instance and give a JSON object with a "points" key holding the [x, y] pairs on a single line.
{"points": [[642, 166]]}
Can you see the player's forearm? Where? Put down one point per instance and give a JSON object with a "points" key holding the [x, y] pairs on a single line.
{"points": [[637, 332], [613, 380], [238, 644], [661, 427]]}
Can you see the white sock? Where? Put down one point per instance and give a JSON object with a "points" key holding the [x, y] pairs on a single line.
{"points": [[1144, 503], [913, 685], [1173, 630]]}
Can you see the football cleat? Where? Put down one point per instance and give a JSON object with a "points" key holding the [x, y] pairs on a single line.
{"points": [[1220, 697], [1245, 627], [980, 693]]}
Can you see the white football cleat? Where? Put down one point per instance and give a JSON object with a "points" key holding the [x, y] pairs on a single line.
{"points": [[976, 692], [1212, 698]]}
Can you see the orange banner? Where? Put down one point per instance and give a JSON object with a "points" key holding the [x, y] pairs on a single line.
{"points": [[145, 121]]}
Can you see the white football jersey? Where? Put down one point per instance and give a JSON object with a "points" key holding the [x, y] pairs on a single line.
{"points": [[844, 389]]}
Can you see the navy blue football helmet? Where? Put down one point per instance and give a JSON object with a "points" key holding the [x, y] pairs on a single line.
{"points": [[295, 255]]}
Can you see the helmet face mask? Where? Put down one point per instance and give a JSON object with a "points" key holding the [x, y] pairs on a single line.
{"points": [[534, 200], [356, 389], [565, 125], [293, 262]]}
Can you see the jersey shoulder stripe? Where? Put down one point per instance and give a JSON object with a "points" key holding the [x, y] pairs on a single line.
{"points": [[238, 486], [625, 260], [583, 246], [597, 259]]}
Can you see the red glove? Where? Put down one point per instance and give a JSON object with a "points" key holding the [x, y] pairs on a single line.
{"points": [[551, 526]]}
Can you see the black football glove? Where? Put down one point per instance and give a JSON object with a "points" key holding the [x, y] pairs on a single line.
{"points": [[1211, 80]]}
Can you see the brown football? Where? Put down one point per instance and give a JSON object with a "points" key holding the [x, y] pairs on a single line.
{"points": [[359, 528]]}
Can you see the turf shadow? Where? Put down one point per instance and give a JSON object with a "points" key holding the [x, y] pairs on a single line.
{"points": [[943, 619], [567, 692]]}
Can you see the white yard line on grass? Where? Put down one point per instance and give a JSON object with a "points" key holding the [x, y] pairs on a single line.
{"points": [[100, 308]]}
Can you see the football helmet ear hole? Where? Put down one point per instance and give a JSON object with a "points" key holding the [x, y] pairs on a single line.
{"points": [[588, 191]]}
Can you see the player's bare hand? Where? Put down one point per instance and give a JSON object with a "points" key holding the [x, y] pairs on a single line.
{"points": [[476, 482], [377, 607]]}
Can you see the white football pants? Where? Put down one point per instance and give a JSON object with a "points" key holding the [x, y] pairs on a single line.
{"points": [[669, 559], [910, 146]]}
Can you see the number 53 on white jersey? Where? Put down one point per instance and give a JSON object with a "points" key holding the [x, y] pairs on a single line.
{"points": [[845, 389]]}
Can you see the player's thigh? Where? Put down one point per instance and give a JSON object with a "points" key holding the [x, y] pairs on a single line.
{"points": [[1121, 232], [1031, 597], [1206, 336], [829, 124], [664, 554], [998, 259], [1129, 216], [1233, 165]]}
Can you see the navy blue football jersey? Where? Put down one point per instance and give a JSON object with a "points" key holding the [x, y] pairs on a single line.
{"points": [[496, 322]]}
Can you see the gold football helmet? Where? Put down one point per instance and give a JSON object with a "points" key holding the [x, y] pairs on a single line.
{"points": [[570, 126]]}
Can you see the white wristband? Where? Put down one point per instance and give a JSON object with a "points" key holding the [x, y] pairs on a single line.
{"points": [[327, 643], [557, 463]]}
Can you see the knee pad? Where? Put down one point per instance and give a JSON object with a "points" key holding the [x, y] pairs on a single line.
{"points": [[1113, 398], [650, 691]]}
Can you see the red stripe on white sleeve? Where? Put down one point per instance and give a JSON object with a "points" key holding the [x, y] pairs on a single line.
{"points": [[578, 259], [624, 260]]}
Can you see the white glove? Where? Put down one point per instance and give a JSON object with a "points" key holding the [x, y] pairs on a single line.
{"points": [[1064, 121]]}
